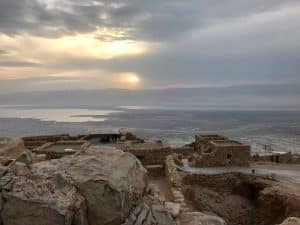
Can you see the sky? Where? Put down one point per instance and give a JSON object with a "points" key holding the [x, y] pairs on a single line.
{"points": [[142, 44]]}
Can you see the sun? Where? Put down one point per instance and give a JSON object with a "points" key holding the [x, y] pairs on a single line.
{"points": [[130, 79], [133, 79]]}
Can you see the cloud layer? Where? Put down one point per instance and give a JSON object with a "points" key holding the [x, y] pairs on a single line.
{"points": [[64, 44]]}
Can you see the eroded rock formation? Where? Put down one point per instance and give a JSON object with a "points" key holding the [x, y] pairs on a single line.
{"points": [[148, 212], [94, 189], [291, 221]]}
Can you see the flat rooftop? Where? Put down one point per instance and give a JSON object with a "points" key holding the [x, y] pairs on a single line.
{"points": [[211, 136], [61, 147], [111, 145], [226, 143]]}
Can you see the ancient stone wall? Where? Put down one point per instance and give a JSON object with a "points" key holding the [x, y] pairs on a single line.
{"points": [[175, 184], [184, 151], [217, 182], [63, 150], [287, 157], [155, 170], [36, 141], [172, 176], [242, 198], [231, 152], [227, 154], [151, 156]]}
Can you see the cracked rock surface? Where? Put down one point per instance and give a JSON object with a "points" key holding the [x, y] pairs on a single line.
{"points": [[95, 188]]}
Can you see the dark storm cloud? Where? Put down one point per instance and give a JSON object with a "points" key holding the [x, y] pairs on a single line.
{"points": [[195, 42], [145, 20], [258, 48], [34, 17]]}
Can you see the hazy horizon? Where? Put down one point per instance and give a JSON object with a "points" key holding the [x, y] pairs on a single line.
{"points": [[54, 45], [258, 97]]}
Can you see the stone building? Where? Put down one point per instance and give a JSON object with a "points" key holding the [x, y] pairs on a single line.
{"points": [[151, 154], [231, 152], [217, 150], [276, 157], [202, 141]]}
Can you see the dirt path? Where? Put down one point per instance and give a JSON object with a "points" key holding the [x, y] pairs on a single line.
{"points": [[286, 171]]}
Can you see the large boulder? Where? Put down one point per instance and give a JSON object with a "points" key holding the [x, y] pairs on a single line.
{"points": [[149, 211], [198, 218], [42, 197], [94, 189], [291, 221], [110, 181]]}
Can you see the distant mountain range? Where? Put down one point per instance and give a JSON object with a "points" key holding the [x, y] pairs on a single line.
{"points": [[283, 96]]}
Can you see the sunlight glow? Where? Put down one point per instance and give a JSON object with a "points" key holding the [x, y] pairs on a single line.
{"points": [[133, 79], [86, 46]]}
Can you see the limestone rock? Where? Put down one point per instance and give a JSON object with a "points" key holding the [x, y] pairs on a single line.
{"points": [[38, 198], [280, 199], [25, 157], [79, 190], [110, 182], [173, 208], [149, 211], [21, 169], [198, 218], [38, 158], [291, 221], [160, 214]]}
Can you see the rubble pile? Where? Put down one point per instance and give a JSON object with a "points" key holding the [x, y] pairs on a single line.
{"points": [[149, 211]]}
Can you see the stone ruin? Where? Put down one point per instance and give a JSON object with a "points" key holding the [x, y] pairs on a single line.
{"points": [[277, 157], [202, 141], [122, 179], [151, 154], [232, 198], [215, 150], [91, 186]]}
